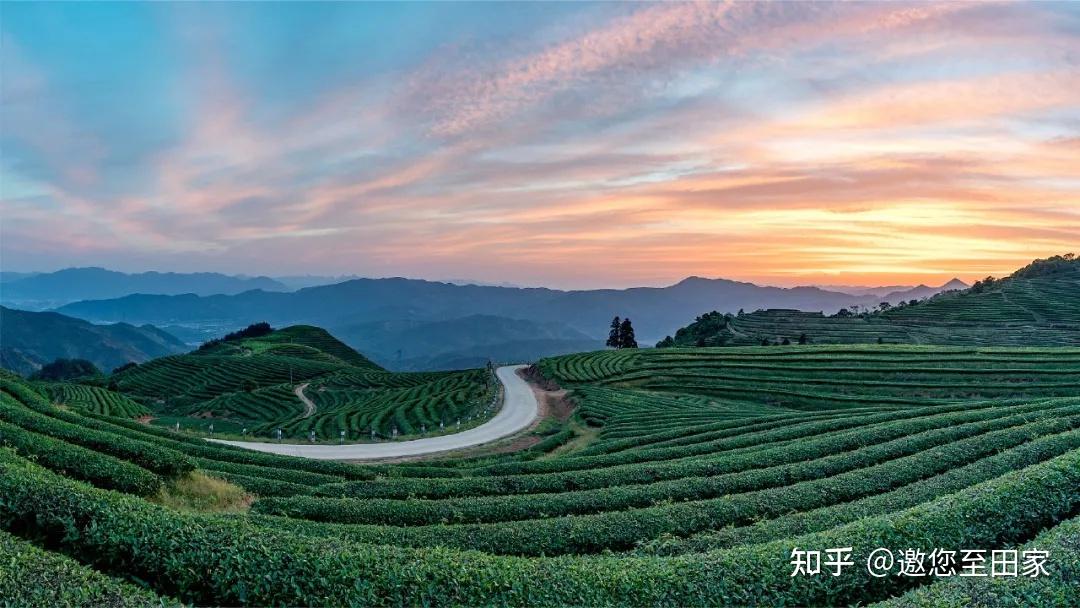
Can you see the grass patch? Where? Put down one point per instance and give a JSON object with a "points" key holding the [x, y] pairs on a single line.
{"points": [[198, 491], [583, 436]]}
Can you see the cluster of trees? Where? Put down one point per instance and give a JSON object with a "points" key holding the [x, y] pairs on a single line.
{"points": [[66, 369], [1051, 265], [706, 330], [866, 312], [621, 334], [803, 339], [125, 367], [254, 330], [983, 285]]}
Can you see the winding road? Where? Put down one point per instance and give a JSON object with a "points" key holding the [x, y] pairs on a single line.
{"points": [[518, 412], [309, 405]]}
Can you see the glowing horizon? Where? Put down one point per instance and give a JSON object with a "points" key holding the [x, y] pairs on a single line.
{"points": [[567, 145]]}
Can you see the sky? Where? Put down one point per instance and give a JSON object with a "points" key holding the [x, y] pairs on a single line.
{"points": [[561, 144]]}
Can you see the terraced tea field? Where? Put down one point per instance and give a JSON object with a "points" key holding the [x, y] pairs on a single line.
{"points": [[260, 384], [1036, 306], [95, 399], [683, 477]]}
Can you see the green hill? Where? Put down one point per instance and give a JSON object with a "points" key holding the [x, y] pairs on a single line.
{"points": [[1037, 305], [32, 339], [255, 383], [693, 475]]}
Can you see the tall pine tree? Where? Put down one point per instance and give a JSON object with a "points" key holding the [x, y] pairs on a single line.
{"points": [[626, 335], [614, 339]]}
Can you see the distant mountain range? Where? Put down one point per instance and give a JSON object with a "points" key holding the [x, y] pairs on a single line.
{"points": [[895, 294], [408, 323], [31, 339], [654, 310], [434, 323], [463, 342], [49, 290], [923, 291]]}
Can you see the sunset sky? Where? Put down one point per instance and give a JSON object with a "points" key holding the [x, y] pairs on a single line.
{"points": [[569, 145]]}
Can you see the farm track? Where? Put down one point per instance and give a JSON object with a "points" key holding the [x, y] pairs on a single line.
{"points": [[309, 406], [518, 412]]}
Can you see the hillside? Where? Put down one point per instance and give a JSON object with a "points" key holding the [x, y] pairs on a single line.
{"points": [[683, 476], [383, 316], [299, 379], [29, 340], [1037, 305], [366, 300], [47, 290]]}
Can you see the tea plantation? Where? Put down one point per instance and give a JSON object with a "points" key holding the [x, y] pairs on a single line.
{"points": [[1038, 305], [260, 384], [681, 477]]}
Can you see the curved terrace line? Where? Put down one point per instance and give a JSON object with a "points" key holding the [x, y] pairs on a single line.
{"points": [[518, 412]]}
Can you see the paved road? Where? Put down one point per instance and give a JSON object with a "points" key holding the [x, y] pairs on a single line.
{"points": [[518, 411], [309, 405]]}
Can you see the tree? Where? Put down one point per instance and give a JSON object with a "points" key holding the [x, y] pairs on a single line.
{"points": [[125, 367], [667, 342], [614, 339], [786, 342], [66, 369], [626, 335], [803, 339]]}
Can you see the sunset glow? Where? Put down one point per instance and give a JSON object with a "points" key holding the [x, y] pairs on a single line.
{"points": [[568, 145]]}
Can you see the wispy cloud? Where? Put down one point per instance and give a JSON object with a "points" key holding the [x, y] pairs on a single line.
{"points": [[639, 143]]}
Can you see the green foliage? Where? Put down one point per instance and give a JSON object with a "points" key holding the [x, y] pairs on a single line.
{"points": [[1038, 304], [1058, 264], [226, 560], [30, 576], [692, 475], [710, 503], [66, 369], [74, 461], [33, 414], [252, 382], [1060, 586], [93, 399]]}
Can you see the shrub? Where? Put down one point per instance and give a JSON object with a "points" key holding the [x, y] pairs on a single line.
{"points": [[66, 369], [227, 560], [102, 470], [32, 577], [163, 461]]}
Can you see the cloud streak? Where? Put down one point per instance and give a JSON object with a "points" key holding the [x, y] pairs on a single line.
{"points": [[870, 142]]}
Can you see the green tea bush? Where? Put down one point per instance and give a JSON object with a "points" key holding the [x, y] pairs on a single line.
{"points": [[611, 530], [102, 470], [30, 576], [230, 560], [160, 460]]}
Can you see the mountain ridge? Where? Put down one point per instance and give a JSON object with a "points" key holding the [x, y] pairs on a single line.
{"points": [[31, 339], [53, 289]]}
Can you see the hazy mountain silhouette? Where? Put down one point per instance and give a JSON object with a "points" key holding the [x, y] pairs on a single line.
{"points": [[31, 339], [48, 290], [923, 291], [655, 311]]}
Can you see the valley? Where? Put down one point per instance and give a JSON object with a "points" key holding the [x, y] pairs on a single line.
{"points": [[600, 476]]}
